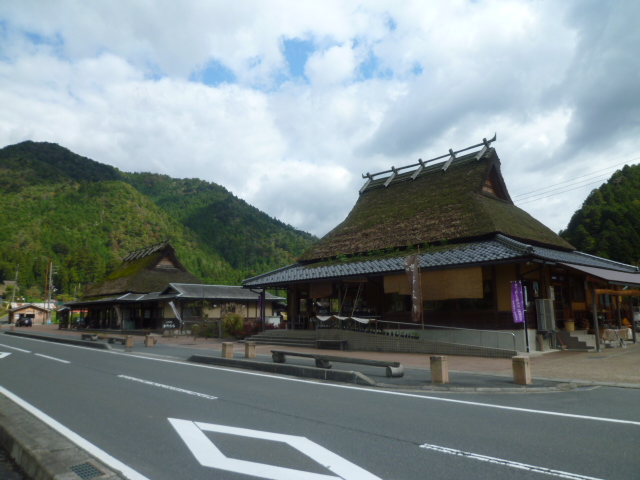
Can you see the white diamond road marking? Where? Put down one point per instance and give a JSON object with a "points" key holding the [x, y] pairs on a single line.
{"points": [[210, 456], [4, 354]]}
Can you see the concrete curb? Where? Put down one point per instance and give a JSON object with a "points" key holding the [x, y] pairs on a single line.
{"points": [[284, 369], [71, 341], [40, 451], [564, 384]]}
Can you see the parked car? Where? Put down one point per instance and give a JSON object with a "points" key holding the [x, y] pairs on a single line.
{"points": [[24, 322]]}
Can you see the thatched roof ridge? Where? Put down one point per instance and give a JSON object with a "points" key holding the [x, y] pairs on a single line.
{"points": [[143, 273], [436, 206]]}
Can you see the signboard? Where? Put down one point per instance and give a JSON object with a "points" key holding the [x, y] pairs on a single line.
{"points": [[517, 302], [171, 324]]}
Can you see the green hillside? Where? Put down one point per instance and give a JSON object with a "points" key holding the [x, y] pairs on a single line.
{"points": [[608, 223], [246, 237], [86, 216]]}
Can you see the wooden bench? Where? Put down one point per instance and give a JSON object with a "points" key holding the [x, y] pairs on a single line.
{"points": [[332, 344], [393, 369], [90, 336]]}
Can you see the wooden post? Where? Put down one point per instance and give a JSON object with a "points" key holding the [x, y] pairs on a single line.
{"points": [[521, 370], [227, 349], [439, 369], [595, 320], [250, 350]]}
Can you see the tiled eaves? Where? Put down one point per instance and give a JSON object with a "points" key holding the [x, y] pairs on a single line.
{"points": [[221, 292], [575, 257], [496, 250], [468, 254]]}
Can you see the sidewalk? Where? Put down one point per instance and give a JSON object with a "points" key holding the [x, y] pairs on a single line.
{"points": [[613, 366]]}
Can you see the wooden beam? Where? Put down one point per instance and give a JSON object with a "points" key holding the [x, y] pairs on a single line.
{"points": [[621, 293]]}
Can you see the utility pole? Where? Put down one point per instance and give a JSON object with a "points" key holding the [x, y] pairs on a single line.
{"points": [[46, 283], [15, 284], [49, 286]]}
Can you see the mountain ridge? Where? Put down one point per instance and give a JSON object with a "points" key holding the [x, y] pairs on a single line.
{"points": [[86, 216]]}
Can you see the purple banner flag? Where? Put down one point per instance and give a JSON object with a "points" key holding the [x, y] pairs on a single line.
{"points": [[517, 302], [412, 268]]}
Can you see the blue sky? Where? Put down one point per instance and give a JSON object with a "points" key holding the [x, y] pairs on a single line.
{"points": [[288, 103]]}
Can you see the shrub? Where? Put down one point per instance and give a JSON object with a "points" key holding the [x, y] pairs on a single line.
{"points": [[233, 323], [211, 330]]}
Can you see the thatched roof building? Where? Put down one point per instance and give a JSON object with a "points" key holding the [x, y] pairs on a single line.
{"points": [[467, 201], [149, 269], [472, 244]]}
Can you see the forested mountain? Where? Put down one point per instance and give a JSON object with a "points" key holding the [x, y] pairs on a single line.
{"points": [[86, 216], [608, 223]]}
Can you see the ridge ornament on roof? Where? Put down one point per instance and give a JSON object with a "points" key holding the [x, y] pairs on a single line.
{"points": [[143, 252], [485, 144]]}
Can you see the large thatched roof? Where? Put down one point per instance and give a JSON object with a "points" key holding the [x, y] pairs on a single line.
{"points": [[467, 200], [147, 270]]}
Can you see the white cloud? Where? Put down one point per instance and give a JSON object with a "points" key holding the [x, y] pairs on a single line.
{"points": [[110, 80], [336, 65]]}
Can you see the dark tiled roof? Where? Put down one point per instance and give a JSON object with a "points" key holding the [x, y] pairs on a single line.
{"points": [[497, 249], [434, 205], [217, 292], [183, 291]]}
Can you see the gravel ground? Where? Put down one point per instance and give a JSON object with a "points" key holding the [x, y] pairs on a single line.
{"points": [[619, 365]]}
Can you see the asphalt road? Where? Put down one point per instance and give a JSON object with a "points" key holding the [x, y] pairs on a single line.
{"points": [[167, 419]]}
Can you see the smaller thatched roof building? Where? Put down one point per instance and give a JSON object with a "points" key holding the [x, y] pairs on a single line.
{"points": [[149, 269]]}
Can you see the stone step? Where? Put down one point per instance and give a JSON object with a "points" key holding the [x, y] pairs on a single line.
{"points": [[575, 341], [585, 337]]}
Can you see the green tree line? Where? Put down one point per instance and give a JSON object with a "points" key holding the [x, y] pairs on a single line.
{"points": [[608, 223], [84, 217]]}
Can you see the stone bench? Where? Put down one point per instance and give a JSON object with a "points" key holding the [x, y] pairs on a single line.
{"points": [[393, 369], [90, 336]]}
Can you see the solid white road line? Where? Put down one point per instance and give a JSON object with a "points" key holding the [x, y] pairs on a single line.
{"points": [[508, 463], [169, 387], [101, 455], [52, 358], [364, 390], [15, 348]]}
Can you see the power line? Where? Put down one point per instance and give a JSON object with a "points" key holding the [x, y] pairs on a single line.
{"points": [[599, 179], [545, 192], [571, 180], [554, 194]]}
